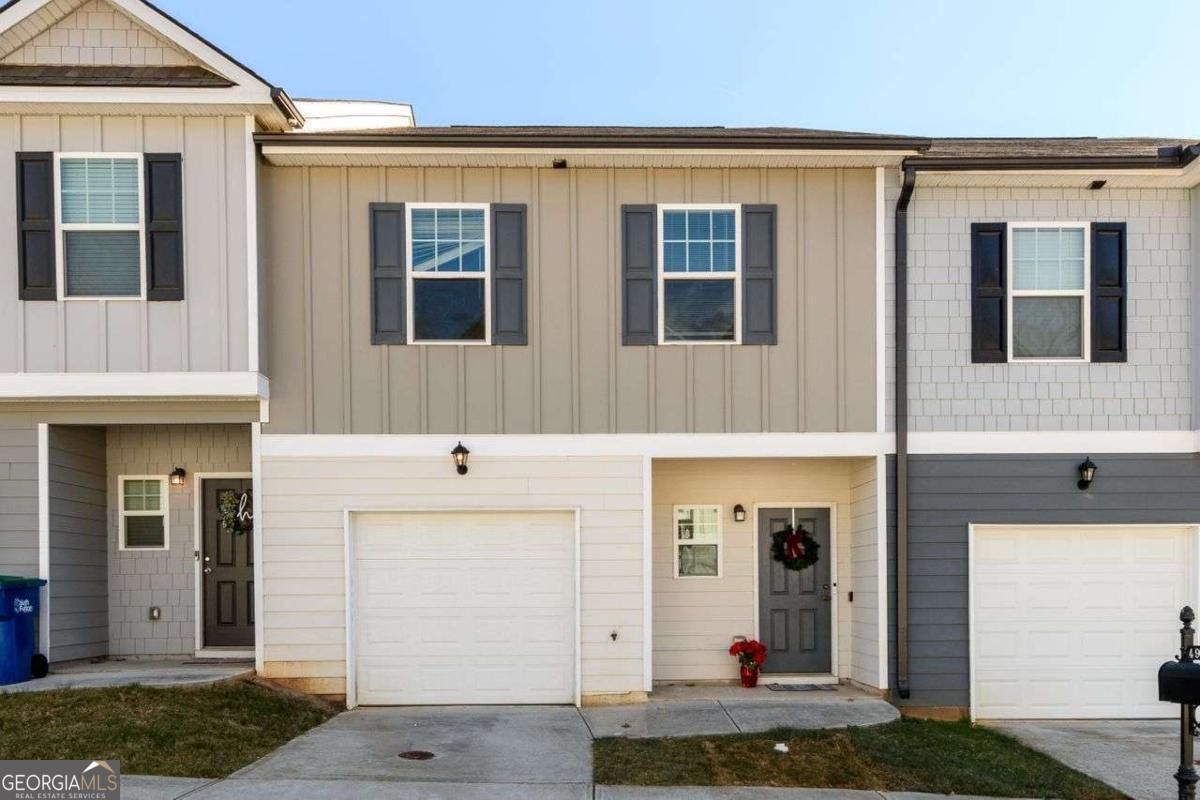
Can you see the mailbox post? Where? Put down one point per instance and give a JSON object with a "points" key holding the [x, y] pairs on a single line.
{"points": [[1179, 682]]}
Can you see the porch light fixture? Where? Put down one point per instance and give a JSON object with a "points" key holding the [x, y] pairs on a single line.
{"points": [[179, 476], [460, 455], [1087, 473], [739, 513]]}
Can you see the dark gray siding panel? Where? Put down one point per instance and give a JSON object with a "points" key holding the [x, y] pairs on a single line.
{"points": [[78, 493], [949, 492]]}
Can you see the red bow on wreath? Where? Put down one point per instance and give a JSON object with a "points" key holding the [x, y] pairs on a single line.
{"points": [[793, 546]]}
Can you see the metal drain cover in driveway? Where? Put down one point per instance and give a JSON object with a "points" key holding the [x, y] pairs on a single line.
{"points": [[416, 755]]}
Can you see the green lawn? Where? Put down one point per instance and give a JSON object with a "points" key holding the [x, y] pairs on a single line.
{"points": [[196, 732], [907, 755]]}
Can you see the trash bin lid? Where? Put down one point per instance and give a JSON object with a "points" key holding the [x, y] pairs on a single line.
{"points": [[17, 582]]}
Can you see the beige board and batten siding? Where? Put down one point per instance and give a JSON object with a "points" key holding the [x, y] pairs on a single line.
{"points": [[574, 376], [206, 332], [696, 619], [304, 503]]}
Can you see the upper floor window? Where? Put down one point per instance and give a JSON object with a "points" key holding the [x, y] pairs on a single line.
{"points": [[100, 224], [699, 287], [450, 281], [1049, 316]]}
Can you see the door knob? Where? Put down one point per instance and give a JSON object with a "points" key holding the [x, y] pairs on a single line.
{"points": [[825, 592], [207, 559], [208, 570]]}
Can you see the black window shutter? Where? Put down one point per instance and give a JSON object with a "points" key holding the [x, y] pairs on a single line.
{"points": [[164, 226], [35, 226], [508, 274], [758, 275], [639, 275], [388, 321], [1109, 293], [989, 332]]}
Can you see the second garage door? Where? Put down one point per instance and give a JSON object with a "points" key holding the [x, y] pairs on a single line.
{"points": [[465, 608], [1073, 622]]}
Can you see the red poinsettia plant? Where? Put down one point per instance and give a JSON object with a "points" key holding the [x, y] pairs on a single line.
{"points": [[750, 653]]}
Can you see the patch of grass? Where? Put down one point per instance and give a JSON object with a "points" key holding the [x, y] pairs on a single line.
{"points": [[194, 732], [907, 755]]}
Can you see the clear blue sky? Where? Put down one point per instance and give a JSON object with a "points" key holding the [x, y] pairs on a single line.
{"points": [[1015, 67]]}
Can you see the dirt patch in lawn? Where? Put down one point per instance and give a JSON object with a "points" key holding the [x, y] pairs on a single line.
{"points": [[194, 732], [907, 755]]}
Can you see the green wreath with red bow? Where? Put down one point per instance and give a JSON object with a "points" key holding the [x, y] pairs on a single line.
{"points": [[794, 548]]}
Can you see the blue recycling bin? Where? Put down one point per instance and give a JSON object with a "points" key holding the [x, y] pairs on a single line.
{"points": [[19, 601]]}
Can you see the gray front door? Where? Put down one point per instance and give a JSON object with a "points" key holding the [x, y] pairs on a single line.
{"points": [[228, 564], [794, 606]]}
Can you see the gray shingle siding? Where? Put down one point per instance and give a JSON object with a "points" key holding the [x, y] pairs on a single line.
{"points": [[949, 492]]}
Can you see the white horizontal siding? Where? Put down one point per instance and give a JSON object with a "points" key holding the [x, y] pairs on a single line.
{"points": [[303, 505]]}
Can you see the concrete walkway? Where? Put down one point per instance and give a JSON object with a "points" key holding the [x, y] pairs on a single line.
{"points": [[1137, 757], [683, 710], [146, 672]]}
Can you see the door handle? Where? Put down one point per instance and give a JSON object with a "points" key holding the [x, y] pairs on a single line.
{"points": [[208, 570], [825, 592]]}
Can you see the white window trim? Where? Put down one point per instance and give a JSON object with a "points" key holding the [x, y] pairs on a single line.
{"points": [[736, 275], [1084, 294], [675, 541], [61, 228], [164, 512], [486, 275]]}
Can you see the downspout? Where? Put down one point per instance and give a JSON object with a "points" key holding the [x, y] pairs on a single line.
{"points": [[901, 345]]}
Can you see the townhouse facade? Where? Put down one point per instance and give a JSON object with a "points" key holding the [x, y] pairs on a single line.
{"points": [[538, 415]]}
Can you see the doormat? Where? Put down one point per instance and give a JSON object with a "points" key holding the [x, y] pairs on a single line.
{"points": [[800, 687]]}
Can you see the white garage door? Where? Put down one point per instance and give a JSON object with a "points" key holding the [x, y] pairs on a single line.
{"points": [[465, 608], [1074, 622]]}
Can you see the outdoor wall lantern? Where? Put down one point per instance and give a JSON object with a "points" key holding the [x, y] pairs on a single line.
{"points": [[179, 476], [460, 455], [1087, 473], [739, 513]]}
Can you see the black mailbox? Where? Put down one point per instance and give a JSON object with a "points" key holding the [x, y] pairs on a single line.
{"points": [[1179, 682]]}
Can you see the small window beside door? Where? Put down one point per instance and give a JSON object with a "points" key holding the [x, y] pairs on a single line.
{"points": [[144, 513], [697, 541]]}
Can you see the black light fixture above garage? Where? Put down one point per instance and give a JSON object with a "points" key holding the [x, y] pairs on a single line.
{"points": [[179, 476], [739, 513], [460, 455], [1087, 473]]}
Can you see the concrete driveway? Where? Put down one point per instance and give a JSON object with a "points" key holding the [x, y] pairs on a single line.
{"points": [[1137, 757]]}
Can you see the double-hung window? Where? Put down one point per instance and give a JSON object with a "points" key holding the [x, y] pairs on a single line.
{"points": [[450, 275], [144, 513], [100, 225], [1048, 309], [696, 531], [699, 289]]}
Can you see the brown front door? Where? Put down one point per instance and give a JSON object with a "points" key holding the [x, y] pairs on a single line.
{"points": [[227, 563]]}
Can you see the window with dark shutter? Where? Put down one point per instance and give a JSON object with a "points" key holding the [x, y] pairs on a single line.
{"points": [[388, 321], [35, 226], [509, 323], [758, 275], [1109, 292], [164, 226], [989, 342], [639, 274]]}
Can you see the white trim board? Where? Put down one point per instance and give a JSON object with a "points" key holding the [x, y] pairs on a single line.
{"points": [[656, 445], [1081, 442], [134, 385], [350, 554], [834, 597], [198, 545], [43, 447]]}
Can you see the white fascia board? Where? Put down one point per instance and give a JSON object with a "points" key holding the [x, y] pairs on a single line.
{"points": [[100, 95], [655, 445], [33, 386], [1073, 442]]}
